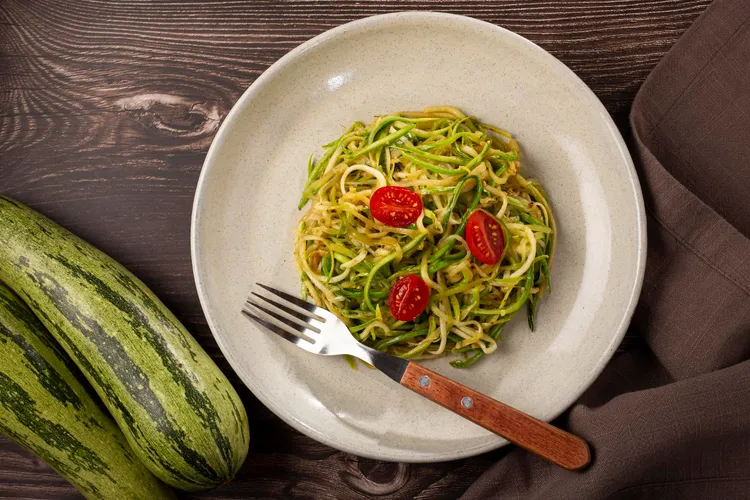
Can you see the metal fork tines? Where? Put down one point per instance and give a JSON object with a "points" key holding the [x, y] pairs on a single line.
{"points": [[299, 327], [314, 329]]}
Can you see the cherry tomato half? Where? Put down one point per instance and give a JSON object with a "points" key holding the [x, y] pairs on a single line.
{"points": [[408, 298], [395, 206], [485, 237]]}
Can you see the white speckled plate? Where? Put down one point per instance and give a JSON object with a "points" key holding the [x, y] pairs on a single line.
{"points": [[245, 213]]}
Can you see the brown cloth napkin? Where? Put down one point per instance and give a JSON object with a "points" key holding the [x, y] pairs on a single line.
{"points": [[670, 417]]}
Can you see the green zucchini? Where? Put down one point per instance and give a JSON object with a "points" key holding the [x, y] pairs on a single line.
{"points": [[179, 413], [45, 406]]}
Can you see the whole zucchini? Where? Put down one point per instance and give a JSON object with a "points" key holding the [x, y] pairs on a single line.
{"points": [[45, 406], [177, 410]]}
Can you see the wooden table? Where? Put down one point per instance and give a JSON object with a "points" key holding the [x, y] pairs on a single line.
{"points": [[107, 111]]}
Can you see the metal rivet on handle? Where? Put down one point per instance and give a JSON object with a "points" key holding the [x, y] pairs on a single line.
{"points": [[424, 381], [466, 402]]}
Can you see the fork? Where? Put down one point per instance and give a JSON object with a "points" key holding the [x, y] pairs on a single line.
{"points": [[318, 331]]}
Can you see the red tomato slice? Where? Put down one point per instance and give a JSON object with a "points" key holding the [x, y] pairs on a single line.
{"points": [[408, 298], [395, 206], [485, 237]]}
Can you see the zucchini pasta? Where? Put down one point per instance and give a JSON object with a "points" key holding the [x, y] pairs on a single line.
{"points": [[435, 197]]}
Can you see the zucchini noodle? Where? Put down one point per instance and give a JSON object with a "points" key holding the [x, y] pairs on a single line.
{"points": [[348, 261]]}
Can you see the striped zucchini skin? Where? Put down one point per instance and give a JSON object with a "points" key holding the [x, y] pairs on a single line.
{"points": [[177, 410], [45, 406]]}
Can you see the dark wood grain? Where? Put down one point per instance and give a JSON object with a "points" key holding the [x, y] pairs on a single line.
{"points": [[549, 442], [107, 110]]}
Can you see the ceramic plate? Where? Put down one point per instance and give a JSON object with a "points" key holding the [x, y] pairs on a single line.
{"points": [[245, 213]]}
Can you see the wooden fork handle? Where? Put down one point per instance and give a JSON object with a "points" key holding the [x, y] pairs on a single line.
{"points": [[541, 438]]}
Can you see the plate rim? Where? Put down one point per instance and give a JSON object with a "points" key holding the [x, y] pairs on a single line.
{"points": [[270, 73]]}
